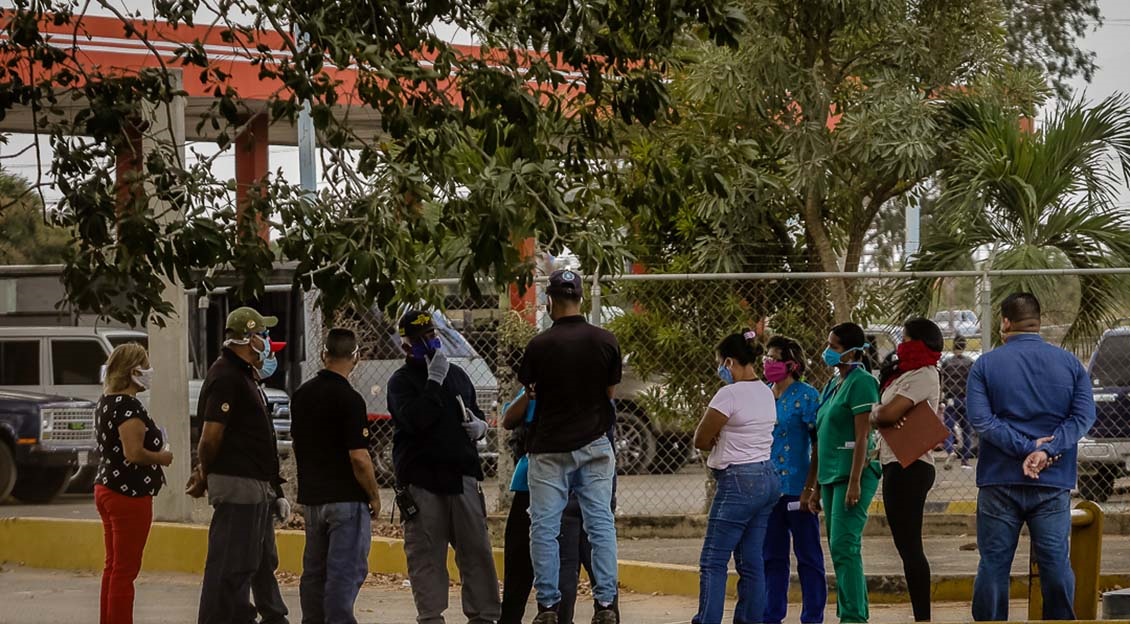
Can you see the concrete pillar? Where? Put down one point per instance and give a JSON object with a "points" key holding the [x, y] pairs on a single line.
{"points": [[168, 344], [251, 165]]}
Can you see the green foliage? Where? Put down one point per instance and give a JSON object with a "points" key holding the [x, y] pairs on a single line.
{"points": [[790, 144], [1044, 36], [1046, 199], [478, 148], [26, 237]]}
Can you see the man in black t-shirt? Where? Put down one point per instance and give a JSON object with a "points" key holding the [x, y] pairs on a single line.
{"points": [[436, 422], [336, 484], [238, 466], [571, 370]]}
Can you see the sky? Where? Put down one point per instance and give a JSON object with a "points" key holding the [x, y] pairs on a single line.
{"points": [[1111, 43]]}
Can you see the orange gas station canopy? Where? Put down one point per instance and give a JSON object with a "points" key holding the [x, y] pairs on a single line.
{"points": [[111, 46]]}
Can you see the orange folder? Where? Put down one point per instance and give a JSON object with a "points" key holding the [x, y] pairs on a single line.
{"points": [[922, 430]]}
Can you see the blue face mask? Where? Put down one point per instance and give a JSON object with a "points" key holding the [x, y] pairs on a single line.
{"points": [[268, 367], [725, 374], [267, 364], [425, 349], [833, 358]]}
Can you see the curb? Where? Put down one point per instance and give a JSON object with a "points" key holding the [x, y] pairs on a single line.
{"points": [[954, 521], [78, 545]]}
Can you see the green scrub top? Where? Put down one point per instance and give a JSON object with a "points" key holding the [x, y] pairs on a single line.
{"points": [[841, 400]]}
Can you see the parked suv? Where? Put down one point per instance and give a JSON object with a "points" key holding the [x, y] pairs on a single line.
{"points": [[1103, 454], [67, 361], [42, 440]]}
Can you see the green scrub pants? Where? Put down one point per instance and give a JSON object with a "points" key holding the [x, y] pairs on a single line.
{"points": [[845, 527]]}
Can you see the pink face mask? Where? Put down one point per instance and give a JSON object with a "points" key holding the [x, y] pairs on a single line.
{"points": [[776, 371]]}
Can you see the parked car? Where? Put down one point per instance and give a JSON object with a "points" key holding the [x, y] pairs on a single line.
{"points": [[43, 439], [643, 444], [67, 361], [381, 356], [1103, 455], [958, 322]]}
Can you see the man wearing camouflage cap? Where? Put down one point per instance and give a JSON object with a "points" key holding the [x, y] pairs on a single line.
{"points": [[239, 469]]}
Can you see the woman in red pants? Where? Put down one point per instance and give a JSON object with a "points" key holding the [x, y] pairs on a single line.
{"points": [[132, 452]]}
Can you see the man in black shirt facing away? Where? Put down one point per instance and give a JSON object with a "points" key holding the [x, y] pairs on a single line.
{"points": [[239, 468], [436, 422], [336, 485], [571, 370]]}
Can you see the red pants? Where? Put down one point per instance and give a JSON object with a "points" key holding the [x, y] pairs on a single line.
{"points": [[125, 521]]}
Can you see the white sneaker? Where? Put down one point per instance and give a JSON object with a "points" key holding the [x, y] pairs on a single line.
{"points": [[948, 464]]}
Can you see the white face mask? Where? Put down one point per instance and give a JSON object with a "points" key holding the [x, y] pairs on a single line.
{"points": [[143, 377]]}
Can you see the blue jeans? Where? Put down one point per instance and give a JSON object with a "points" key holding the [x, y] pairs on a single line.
{"points": [[1002, 510], [745, 495], [955, 416], [335, 562], [805, 528], [588, 472]]}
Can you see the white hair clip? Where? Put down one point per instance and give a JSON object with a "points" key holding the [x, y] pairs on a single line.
{"points": [[750, 335]]}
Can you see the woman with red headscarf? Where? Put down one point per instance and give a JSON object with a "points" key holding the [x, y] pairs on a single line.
{"points": [[910, 380]]}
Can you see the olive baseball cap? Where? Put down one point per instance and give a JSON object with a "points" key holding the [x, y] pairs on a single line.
{"points": [[245, 320]]}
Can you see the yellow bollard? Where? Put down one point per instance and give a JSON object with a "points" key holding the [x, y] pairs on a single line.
{"points": [[1085, 546]]}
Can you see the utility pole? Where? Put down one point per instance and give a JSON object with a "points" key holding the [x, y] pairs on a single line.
{"points": [[911, 229], [168, 345]]}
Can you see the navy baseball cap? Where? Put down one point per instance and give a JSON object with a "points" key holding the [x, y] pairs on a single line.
{"points": [[415, 323], [564, 283]]}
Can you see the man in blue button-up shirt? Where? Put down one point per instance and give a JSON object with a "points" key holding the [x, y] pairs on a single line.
{"points": [[1030, 403]]}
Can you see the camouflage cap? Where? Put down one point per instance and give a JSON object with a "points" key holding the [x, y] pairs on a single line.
{"points": [[244, 321]]}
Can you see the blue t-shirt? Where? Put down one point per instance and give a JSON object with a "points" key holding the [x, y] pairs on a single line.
{"points": [[797, 418], [522, 466]]}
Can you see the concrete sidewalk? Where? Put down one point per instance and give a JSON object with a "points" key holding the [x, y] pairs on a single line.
{"points": [[34, 596]]}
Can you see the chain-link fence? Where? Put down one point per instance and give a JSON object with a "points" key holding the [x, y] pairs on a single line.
{"points": [[668, 327]]}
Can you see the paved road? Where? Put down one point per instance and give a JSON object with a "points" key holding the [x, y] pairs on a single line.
{"points": [[32, 596]]}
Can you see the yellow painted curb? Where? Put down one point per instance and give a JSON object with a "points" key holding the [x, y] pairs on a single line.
{"points": [[948, 508], [78, 545]]}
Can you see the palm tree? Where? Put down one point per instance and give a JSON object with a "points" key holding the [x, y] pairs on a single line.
{"points": [[1046, 199]]}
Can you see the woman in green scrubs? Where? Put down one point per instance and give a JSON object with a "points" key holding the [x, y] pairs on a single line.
{"points": [[847, 475]]}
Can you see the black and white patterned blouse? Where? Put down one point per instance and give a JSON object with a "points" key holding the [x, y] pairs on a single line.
{"points": [[114, 472]]}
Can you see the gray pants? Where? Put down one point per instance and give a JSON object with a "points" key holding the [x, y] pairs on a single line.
{"points": [[459, 520], [241, 565]]}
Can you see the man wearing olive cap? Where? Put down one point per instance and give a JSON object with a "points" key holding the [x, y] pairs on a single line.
{"points": [[436, 422], [239, 469]]}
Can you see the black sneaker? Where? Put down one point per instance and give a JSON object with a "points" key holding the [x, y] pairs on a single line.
{"points": [[546, 615], [604, 615]]}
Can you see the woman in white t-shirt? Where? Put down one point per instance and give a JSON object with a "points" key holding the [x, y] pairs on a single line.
{"points": [[910, 380], [738, 431]]}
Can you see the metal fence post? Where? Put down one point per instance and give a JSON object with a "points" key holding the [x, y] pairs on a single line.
{"points": [[985, 310], [595, 300], [504, 467]]}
